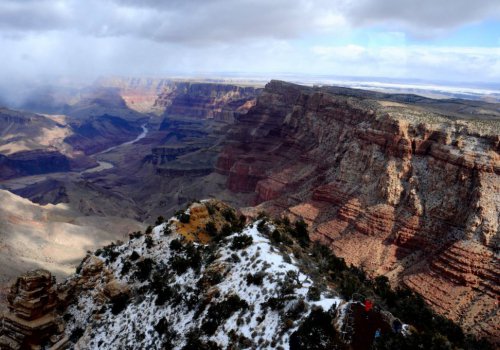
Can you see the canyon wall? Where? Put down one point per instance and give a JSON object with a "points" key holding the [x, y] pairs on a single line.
{"points": [[200, 99], [221, 102], [400, 189]]}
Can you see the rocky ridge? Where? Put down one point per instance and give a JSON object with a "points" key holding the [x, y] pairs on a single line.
{"points": [[186, 284]]}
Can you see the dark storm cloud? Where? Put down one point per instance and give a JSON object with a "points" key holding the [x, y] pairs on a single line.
{"points": [[424, 16], [186, 21], [28, 15], [207, 21]]}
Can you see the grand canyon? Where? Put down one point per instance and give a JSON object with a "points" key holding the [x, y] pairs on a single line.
{"points": [[401, 186], [225, 175]]}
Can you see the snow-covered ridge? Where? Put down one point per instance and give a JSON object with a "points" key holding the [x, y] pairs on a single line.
{"points": [[248, 293]]}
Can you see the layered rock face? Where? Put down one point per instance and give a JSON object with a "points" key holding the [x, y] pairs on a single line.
{"points": [[403, 190], [139, 94], [195, 120], [184, 98], [32, 162], [206, 100], [31, 320]]}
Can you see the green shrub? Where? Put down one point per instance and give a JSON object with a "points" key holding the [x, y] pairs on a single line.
{"points": [[218, 313], [276, 236], [179, 264], [316, 332], [126, 267], [194, 343], [241, 242], [210, 208], [149, 242], [134, 256], [263, 228], [229, 215], [119, 303], [163, 327], [144, 268], [149, 229], [135, 234], [211, 229], [225, 231], [300, 232], [76, 334], [314, 294], [235, 258], [183, 217], [160, 220], [256, 278], [175, 245], [167, 230]]}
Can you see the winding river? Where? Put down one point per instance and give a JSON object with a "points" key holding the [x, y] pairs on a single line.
{"points": [[107, 165]]}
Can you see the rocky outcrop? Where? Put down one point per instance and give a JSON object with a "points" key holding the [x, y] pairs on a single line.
{"points": [[31, 320], [392, 187]]}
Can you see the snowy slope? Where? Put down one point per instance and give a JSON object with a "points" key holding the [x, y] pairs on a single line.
{"points": [[145, 323]]}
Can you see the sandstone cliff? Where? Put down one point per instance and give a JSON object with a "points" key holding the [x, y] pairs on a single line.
{"points": [[397, 184]]}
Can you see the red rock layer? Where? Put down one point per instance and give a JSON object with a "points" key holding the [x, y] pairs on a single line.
{"points": [[385, 192]]}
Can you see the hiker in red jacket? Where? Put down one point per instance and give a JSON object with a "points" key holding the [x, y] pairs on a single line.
{"points": [[368, 305]]}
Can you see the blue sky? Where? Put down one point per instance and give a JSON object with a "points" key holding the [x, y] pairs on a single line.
{"points": [[434, 40]]}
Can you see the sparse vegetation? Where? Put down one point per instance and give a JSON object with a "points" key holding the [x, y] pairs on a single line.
{"points": [[219, 312], [241, 242]]}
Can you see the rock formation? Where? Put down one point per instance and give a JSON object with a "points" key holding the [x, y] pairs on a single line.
{"points": [[397, 188], [31, 320], [182, 98], [220, 102], [32, 162]]}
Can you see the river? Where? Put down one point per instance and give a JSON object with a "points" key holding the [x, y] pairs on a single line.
{"points": [[107, 165]]}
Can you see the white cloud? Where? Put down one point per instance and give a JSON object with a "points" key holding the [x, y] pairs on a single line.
{"points": [[428, 62]]}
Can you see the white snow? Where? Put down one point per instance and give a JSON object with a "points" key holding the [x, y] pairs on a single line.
{"points": [[142, 314]]}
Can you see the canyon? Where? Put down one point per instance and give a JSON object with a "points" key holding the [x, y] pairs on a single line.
{"points": [[389, 184], [399, 185]]}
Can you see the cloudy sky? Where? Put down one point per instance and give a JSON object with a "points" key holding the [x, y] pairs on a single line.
{"points": [[449, 40]]}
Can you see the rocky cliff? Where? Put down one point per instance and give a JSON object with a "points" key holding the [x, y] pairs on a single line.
{"points": [[206, 100], [200, 99], [400, 185]]}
